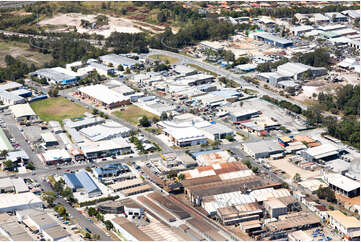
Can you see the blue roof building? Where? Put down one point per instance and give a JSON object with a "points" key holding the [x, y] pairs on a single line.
{"points": [[82, 180]]}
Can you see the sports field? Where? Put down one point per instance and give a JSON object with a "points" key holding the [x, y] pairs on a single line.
{"points": [[58, 109]]}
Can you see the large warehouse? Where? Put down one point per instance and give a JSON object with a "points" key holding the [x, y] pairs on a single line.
{"points": [[104, 96], [55, 75], [117, 60], [10, 202], [262, 149], [272, 39], [323, 152], [23, 112], [82, 181], [342, 184]]}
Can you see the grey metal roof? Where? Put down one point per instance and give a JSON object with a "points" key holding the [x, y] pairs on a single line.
{"points": [[72, 181], [87, 182], [10, 85], [52, 75], [264, 146], [274, 38], [118, 60]]}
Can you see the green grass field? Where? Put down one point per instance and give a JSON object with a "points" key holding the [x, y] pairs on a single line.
{"points": [[132, 113], [57, 109], [202, 69], [172, 60]]}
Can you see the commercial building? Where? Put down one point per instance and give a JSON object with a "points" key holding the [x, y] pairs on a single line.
{"points": [[323, 152], [123, 185], [106, 148], [183, 70], [272, 39], [81, 181], [82, 122], [300, 30], [49, 139], [40, 221], [4, 142], [196, 80], [275, 207], [342, 184], [105, 131], [216, 131], [11, 98], [207, 158], [336, 17], [262, 149], [129, 230], [104, 96], [100, 68], [23, 112], [55, 76], [10, 202], [18, 156], [347, 225], [53, 157], [299, 220], [13, 185], [185, 136], [295, 70], [117, 60], [11, 230], [110, 170], [243, 115]]}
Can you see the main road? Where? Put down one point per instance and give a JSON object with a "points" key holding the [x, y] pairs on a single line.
{"points": [[229, 75]]}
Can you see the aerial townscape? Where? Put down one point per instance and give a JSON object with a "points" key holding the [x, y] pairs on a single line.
{"points": [[180, 121]]}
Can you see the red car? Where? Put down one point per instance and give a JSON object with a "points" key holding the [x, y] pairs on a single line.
{"points": [[67, 170]]}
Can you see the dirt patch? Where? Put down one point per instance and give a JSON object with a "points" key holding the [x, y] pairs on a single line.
{"points": [[121, 25]]}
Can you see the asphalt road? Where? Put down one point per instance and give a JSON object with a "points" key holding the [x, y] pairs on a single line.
{"points": [[80, 218], [229, 75]]}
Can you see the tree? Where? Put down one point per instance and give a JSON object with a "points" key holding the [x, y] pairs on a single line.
{"points": [[95, 111], [108, 225], [181, 177], [87, 235], [30, 165], [3, 153], [127, 70], [120, 68], [9, 165], [144, 121], [60, 210], [229, 138], [164, 116], [92, 211], [297, 178]]}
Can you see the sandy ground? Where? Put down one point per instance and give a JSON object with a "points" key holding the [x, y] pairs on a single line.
{"points": [[121, 25], [292, 169], [307, 92]]}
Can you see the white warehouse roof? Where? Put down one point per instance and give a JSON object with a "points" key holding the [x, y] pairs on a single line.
{"points": [[103, 94], [22, 110], [342, 182]]}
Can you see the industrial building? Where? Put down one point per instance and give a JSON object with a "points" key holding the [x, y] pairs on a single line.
{"points": [[11, 98], [13, 185], [53, 157], [216, 131], [81, 181], [299, 220], [11, 230], [275, 207], [196, 80], [105, 131], [295, 70], [10, 202], [119, 87], [243, 115], [23, 112], [129, 230], [117, 60], [83, 122], [342, 184], [123, 185], [104, 96], [239, 213], [347, 225], [4, 142], [55, 76], [209, 157], [300, 30], [106, 148], [262, 149], [100, 68], [49, 139], [272, 39], [324, 152], [110, 170], [185, 136], [183, 70]]}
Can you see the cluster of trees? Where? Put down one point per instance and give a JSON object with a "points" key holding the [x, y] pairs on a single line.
{"points": [[53, 92], [229, 82], [66, 50], [268, 66], [284, 104], [61, 210], [144, 121], [241, 61], [100, 113], [198, 30], [93, 202], [125, 43], [137, 143], [346, 99], [287, 12], [8, 20], [15, 69], [317, 58], [255, 169], [92, 212], [326, 193], [66, 192], [160, 67]]}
